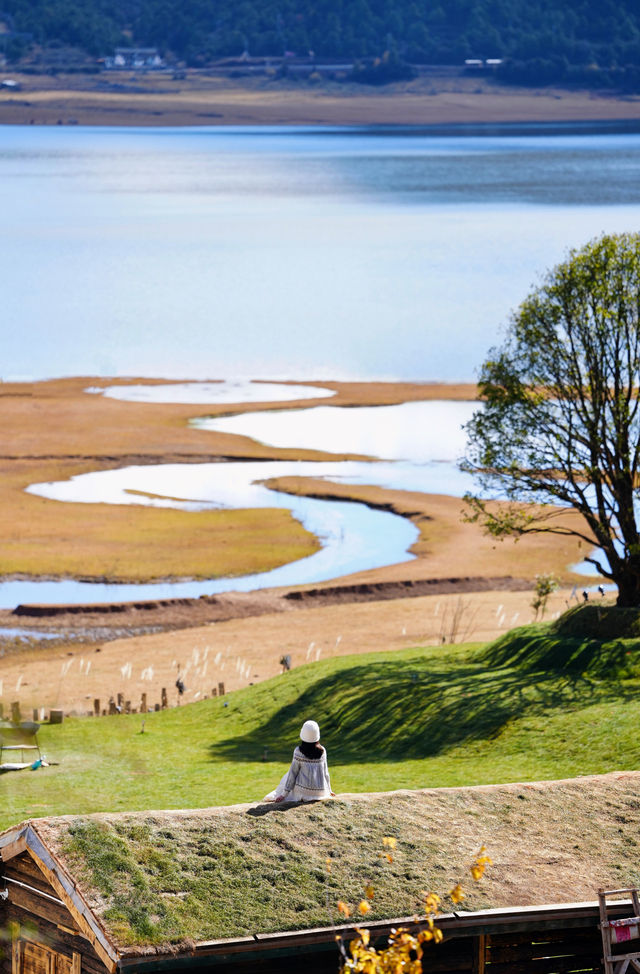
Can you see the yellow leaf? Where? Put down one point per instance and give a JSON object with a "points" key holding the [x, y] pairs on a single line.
{"points": [[389, 857], [437, 936], [369, 891], [389, 841], [344, 908], [431, 902], [327, 863], [363, 906], [457, 893]]}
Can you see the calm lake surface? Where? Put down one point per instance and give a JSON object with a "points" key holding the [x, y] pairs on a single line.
{"points": [[289, 253]]}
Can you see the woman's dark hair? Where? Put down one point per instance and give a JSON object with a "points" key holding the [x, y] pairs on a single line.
{"points": [[313, 751]]}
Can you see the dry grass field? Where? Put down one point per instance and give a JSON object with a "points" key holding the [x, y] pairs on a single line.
{"points": [[201, 99], [246, 650]]}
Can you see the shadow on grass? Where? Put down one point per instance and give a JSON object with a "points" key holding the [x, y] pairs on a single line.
{"points": [[540, 647], [267, 808], [411, 709]]}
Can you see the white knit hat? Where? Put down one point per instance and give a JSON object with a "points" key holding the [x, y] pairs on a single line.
{"points": [[310, 732]]}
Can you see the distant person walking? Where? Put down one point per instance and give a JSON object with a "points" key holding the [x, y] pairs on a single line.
{"points": [[307, 780]]}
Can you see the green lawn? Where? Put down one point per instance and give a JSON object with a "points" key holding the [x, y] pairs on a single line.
{"points": [[419, 718]]}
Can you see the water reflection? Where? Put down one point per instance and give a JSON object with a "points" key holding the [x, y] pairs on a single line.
{"points": [[228, 391], [418, 432]]}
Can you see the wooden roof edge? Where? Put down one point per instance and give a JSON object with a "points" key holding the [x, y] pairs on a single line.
{"points": [[26, 838], [13, 841], [461, 922]]}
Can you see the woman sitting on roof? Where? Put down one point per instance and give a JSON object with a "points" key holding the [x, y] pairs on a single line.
{"points": [[307, 780]]}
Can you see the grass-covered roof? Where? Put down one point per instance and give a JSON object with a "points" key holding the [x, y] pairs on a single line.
{"points": [[170, 878]]}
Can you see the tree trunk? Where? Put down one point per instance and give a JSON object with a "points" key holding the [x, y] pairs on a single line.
{"points": [[628, 583]]}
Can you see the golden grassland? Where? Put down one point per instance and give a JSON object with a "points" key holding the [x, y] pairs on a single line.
{"points": [[447, 544], [54, 430], [131, 542], [201, 99]]}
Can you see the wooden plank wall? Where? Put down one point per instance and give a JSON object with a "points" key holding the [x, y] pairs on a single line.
{"points": [[551, 952], [42, 919]]}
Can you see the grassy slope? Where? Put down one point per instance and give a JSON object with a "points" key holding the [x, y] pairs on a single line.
{"points": [[411, 719], [240, 870]]}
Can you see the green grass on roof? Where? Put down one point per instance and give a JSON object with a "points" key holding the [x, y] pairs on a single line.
{"points": [[179, 877]]}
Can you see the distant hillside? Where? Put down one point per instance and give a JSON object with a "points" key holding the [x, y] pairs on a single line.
{"points": [[589, 42]]}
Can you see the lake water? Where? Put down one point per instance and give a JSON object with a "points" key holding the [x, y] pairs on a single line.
{"points": [[289, 253]]}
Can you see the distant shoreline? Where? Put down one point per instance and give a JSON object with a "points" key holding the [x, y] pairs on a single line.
{"points": [[158, 101]]}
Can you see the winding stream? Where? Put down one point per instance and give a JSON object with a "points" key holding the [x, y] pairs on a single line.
{"points": [[420, 442]]}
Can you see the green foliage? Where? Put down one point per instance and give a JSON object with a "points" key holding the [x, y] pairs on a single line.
{"points": [[561, 424], [545, 584], [588, 42]]}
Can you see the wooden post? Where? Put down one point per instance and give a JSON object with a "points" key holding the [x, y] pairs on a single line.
{"points": [[127, 706], [165, 700], [221, 689], [15, 712], [143, 703], [56, 716], [76, 963], [479, 953], [214, 692], [120, 702], [157, 707], [96, 707], [15, 951], [112, 706]]}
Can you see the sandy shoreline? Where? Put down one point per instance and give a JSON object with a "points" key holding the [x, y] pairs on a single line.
{"points": [[200, 100]]}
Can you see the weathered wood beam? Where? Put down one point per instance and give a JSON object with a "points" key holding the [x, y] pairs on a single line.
{"points": [[14, 848]]}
